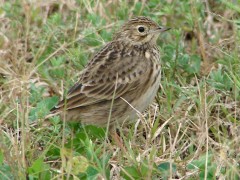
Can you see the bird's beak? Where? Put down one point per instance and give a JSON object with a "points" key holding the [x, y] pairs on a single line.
{"points": [[159, 30], [163, 29]]}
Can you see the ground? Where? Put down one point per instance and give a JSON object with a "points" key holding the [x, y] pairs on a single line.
{"points": [[192, 129]]}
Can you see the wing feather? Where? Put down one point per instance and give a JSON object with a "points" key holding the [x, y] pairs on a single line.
{"points": [[107, 69]]}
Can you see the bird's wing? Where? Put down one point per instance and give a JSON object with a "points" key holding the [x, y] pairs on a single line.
{"points": [[108, 75]]}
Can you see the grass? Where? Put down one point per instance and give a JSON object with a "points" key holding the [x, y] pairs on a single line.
{"points": [[192, 129]]}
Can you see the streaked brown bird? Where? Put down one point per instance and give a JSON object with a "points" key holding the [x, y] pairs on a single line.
{"points": [[120, 80]]}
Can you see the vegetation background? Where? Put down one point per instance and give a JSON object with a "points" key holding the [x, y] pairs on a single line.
{"points": [[191, 131]]}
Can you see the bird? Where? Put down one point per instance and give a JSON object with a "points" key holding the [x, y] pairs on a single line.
{"points": [[120, 80]]}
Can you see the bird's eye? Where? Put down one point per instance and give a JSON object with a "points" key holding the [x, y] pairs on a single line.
{"points": [[141, 29]]}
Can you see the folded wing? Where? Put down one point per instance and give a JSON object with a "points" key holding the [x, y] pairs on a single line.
{"points": [[101, 81]]}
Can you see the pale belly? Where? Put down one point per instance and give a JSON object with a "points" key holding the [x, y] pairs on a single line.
{"points": [[148, 97]]}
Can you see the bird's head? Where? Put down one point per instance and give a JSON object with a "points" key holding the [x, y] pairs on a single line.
{"points": [[140, 30]]}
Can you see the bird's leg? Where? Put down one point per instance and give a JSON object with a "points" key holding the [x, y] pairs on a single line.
{"points": [[117, 139]]}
